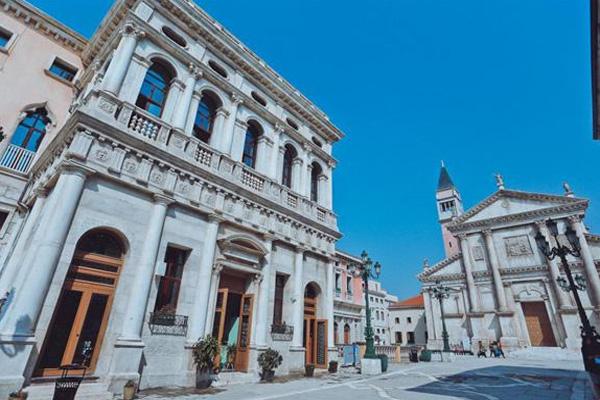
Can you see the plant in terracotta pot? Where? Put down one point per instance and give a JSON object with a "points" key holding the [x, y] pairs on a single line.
{"points": [[204, 352], [333, 367], [268, 361], [18, 395], [309, 370], [129, 390]]}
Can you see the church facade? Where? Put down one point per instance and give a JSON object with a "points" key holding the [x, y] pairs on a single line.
{"points": [[502, 287], [188, 193]]}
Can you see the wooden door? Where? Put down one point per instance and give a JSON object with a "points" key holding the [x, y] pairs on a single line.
{"points": [[538, 324], [309, 340], [81, 315], [320, 343], [219, 320], [346, 334], [244, 334]]}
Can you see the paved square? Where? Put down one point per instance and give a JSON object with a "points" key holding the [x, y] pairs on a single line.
{"points": [[466, 378]]}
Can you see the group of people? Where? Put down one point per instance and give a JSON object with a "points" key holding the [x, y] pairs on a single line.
{"points": [[495, 349]]}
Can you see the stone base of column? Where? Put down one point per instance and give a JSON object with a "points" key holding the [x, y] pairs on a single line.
{"points": [[370, 366], [14, 359], [296, 355], [125, 364], [571, 323], [509, 343], [332, 354]]}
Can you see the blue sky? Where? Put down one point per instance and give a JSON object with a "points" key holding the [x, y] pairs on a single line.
{"points": [[487, 86]]}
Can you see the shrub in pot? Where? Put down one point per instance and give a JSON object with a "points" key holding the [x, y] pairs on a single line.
{"points": [[333, 367], [384, 362], [268, 361], [309, 370], [204, 352], [425, 356]]}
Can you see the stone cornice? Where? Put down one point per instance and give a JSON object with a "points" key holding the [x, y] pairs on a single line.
{"points": [[225, 45], [44, 24]]}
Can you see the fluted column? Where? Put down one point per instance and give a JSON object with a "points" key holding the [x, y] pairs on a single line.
{"points": [[23, 313], [494, 264], [214, 289], [198, 317], [466, 258], [113, 78], [183, 107], [561, 295], [593, 279], [262, 315], [139, 289], [298, 298], [329, 302], [15, 262], [229, 130]]}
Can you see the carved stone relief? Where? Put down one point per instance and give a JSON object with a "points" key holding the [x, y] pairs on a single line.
{"points": [[518, 246]]}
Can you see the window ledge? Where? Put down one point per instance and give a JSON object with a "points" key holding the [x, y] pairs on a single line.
{"points": [[4, 50], [58, 78]]}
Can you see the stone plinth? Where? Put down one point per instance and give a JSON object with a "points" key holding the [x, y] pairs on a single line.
{"points": [[370, 366]]}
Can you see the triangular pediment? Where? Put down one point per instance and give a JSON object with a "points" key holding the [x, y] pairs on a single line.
{"points": [[447, 267], [508, 202]]}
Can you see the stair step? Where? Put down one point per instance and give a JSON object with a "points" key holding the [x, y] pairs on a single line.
{"points": [[86, 391]]}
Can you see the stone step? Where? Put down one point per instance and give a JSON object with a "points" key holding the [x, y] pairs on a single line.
{"points": [[86, 391], [234, 378]]}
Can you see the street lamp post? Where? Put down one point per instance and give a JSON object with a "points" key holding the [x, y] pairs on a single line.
{"points": [[590, 348], [441, 292], [367, 270]]}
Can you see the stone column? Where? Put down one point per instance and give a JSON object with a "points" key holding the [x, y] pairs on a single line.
{"points": [[22, 314], [298, 299], [262, 154], [175, 93], [592, 277], [229, 130], [305, 176], [322, 191], [493, 259], [198, 317], [14, 263], [276, 153], [562, 297], [429, 317], [214, 289], [329, 187], [239, 137], [113, 78], [191, 117], [183, 107], [139, 289], [297, 175], [216, 137], [464, 246], [329, 303], [262, 315]]}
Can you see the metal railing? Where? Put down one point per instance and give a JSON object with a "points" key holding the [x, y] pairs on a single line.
{"points": [[163, 323], [17, 158]]}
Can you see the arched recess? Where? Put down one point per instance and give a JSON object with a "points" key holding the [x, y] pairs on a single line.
{"points": [[347, 334], [206, 115], [315, 328], [155, 87], [315, 173], [81, 315], [287, 170], [250, 150]]}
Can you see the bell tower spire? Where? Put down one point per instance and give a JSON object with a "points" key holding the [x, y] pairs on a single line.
{"points": [[449, 206]]}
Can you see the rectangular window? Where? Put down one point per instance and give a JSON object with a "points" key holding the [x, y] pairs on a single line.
{"points": [[397, 320], [4, 38], [337, 282], [3, 218], [410, 336], [278, 303], [399, 337], [63, 70], [169, 286], [349, 285], [408, 320], [447, 205]]}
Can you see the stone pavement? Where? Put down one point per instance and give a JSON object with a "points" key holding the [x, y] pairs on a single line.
{"points": [[466, 378]]}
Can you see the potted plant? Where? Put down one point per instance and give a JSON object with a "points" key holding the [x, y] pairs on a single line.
{"points": [[204, 352], [333, 367], [129, 390], [231, 352], [309, 370], [18, 395], [268, 361], [425, 355]]}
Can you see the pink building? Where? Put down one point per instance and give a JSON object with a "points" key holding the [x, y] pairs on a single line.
{"points": [[348, 301]]}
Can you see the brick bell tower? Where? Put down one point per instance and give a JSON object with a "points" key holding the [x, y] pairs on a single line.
{"points": [[449, 206]]}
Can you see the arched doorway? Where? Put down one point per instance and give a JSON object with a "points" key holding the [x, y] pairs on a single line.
{"points": [[79, 322], [346, 334], [315, 329]]}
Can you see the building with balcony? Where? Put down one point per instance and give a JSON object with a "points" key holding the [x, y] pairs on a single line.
{"points": [[348, 306], [187, 193], [407, 322], [502, 287], [379, 303]]}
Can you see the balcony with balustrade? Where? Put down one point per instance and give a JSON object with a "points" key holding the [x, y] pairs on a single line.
{"points": [[153, 131], [17, 158]]}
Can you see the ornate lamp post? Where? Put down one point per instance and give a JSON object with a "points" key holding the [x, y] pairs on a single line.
{"points": [[367, 270], [441, 292], [590, 348]]}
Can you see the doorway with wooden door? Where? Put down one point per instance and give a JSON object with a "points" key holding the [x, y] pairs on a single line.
{"points": [[315, 329], [233, 321], [538, 324], [79, 322]]}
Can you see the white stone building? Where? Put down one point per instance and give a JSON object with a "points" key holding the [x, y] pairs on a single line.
{"points": [[407, 322], [348, 306], [503, 287], [379, 303], [188, 193]]}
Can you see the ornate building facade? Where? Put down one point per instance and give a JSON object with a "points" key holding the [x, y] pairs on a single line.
{"points": [[188, 193], [503, 288], [348, 306]]}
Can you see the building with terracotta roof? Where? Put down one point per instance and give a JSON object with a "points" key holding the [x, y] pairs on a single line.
{"points": [[407, 321]]}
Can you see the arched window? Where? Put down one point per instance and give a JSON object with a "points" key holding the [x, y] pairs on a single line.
{"points": [[250, 143], [101, 242], [155, 88], [346, 334], [205, 117], [31, 130], [314, 181], [288, 159]]}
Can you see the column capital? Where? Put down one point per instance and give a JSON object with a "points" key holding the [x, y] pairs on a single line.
{"points": [[236, 99], [74, 168], [461, 236], [215, 218], [487, 233], [278, 128], [217, 268], [574, 219], [221, 111], [177, 83], [540, 224], [131, 30], [143, 61], [195, 71], [40, 192], [161, 199]]}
